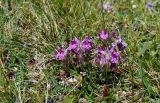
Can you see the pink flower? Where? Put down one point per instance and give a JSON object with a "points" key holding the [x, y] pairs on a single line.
{"points": [[114, 56], [86, 44], [103, 35], [60, 53], [106, 7], [73, 44]]}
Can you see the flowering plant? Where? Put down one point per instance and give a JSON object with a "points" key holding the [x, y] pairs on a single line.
{"points": [[82, 52]]}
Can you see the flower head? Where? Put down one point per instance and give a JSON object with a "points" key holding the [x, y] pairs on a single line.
{"points": [[114, 58], [100, 56], [120, 44], [149, 5], [113, 34], [106, 6], [103, 35], [86, 44], [74, 45], [119, 39], [60, 53]]}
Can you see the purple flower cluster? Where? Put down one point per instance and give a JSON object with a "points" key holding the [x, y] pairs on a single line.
{"points": [[107, 57], [76, 46], [101, 55]]}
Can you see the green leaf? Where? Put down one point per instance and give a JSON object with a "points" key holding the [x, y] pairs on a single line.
{"points": [[69, 99], [147, 45], [146, 83]]}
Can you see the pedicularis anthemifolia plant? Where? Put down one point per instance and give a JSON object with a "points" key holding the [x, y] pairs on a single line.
{"points": [[80, 53]]}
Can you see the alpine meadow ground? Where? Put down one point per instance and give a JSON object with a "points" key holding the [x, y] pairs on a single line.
{"points": [[79, 51]]}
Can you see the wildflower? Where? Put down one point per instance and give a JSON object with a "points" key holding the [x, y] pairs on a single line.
{"points": [[149, 5], [113, 34], [103, 35], [134, 6], [120, 44], [100, 56], [114, 58], [106, 7], [113, 48], [107, 50], [103, 60], [73, 44], [99, 50], [60, 53], [86, 44]]}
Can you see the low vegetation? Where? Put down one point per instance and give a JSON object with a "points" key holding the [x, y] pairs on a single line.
{"points": [[81, 51]]}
